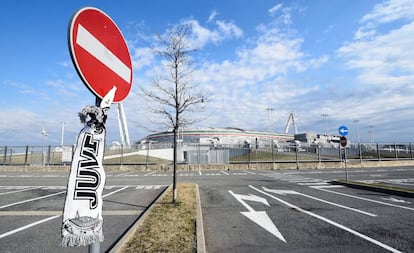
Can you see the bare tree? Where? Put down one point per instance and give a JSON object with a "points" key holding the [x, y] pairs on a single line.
{"points": [[173, 95]]}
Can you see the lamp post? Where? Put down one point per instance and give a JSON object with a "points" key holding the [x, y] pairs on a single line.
{"points": [[371, 131], [63, 133], [44, 134], [357, 130], [325, 116], [270, 110], [358, 139]]}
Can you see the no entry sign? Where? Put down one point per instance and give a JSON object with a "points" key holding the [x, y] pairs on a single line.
{"points": [[343, 141], [100, 53]]}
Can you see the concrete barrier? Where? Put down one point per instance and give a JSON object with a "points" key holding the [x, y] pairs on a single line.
{"points": [[233, 166]]}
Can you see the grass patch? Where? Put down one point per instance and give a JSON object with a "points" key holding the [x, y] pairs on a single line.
{"points": [[169, 227]]}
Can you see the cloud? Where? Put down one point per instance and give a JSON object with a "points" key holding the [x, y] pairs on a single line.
{"points": [[202, 35], [389, 11], [142, 57], [385, 56], [212, 16], [272, 11], [229, 29]]}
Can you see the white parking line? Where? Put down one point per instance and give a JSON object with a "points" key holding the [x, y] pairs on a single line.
{"points": [[28, 226], [149, 174], [5, 193], [46, 219], [109, 194], [30, 200], [367, 238], [225, 173], [366, 199]]}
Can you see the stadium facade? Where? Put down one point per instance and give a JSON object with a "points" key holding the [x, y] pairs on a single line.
{"points": [[219, 136]]}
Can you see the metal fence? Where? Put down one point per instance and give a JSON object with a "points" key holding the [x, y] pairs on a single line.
{"points": [[210, 154]]}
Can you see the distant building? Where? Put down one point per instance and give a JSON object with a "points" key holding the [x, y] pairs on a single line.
{"points": [[219, 136]]}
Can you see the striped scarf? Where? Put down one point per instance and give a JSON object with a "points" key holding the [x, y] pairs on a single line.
{"points": [[82, 214]]}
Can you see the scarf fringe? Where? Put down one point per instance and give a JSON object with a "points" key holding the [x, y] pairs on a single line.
{"points": [[71, 240]]}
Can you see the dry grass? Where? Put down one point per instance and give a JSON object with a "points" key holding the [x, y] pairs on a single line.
{"points": [[169, 227]]}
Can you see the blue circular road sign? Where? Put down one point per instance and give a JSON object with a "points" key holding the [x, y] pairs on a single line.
{"points": [[343, 131]]}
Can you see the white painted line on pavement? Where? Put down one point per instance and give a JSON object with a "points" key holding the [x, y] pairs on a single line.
{"points": [[283, 192], [250, 172], [30, 200], [109, 194], [326, 186], [366, 199], [199, 172], [225, 173], [28, 226], [316, 183], [5, 193], [367, 238], [149, 174]]}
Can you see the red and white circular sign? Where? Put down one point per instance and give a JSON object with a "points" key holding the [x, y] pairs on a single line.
{"points": [[100, 53]]}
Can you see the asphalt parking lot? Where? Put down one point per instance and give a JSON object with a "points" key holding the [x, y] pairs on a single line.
{"points": [[301, 210]]}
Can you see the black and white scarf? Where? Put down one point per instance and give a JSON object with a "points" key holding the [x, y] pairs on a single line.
{"points": [[82, 214]]}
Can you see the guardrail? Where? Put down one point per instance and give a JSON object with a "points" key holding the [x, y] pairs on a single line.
{"points": [[211, 154]]}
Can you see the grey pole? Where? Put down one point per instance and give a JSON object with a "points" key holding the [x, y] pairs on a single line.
{"points": [[346, 167], [94, 247]]}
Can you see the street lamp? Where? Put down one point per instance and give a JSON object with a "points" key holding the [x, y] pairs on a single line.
{"points": [[325, 115], [44, 134], [371, 131], [270, 110], [357, 130]]}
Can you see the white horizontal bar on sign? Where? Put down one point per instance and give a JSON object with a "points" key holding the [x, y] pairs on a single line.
{"points": [[93, 46]]}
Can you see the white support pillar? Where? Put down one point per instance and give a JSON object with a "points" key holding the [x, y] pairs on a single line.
{"points": [[123, 127]]}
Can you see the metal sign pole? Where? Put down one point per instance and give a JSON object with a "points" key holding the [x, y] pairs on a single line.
{"points": [[346, 167], [94, 247]]}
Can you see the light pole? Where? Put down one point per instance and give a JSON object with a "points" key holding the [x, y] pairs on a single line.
{"points": [[63, 133], [357, 130], [44, 134], [270, 110], [325, 116], [371, 131], [358, 139]]}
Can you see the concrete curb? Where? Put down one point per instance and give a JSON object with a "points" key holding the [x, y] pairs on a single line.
{"points": [[376, 187], [201, 244], [130, 232], [199, 224]]}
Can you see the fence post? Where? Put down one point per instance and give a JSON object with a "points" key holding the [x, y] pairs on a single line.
{"points": [[48, 154], [297, 162], [26, 154], [378, 152], [5, 155], [360, 152], [395, 151], [340, 153], [411, 151], [319, 153]]}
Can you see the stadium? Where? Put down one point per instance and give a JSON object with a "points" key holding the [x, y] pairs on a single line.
{"points": [[219, 137]]}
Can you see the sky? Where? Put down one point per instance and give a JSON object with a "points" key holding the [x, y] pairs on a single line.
{"points": [[350, 60]]}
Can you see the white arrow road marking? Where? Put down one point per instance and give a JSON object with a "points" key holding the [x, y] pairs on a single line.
{"points": [[93, 46], [259, 217], [380, 244], [285, 192]]}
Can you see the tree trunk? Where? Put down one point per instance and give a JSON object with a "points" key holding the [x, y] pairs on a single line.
{"points": [[175, 167]]}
